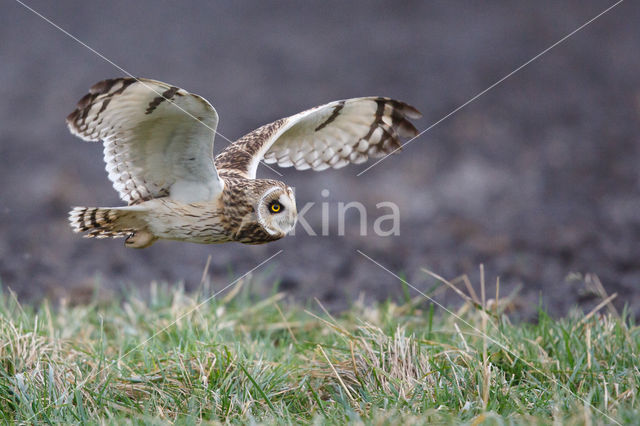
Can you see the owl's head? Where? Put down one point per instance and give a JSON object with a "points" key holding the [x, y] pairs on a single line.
{"points": [[276, 210]]}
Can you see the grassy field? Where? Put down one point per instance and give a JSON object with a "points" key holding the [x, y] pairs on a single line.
{"points": [[238, 358]]}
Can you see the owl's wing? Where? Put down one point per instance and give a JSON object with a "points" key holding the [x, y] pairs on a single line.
{"points": [[158, 138], [331, 135]]}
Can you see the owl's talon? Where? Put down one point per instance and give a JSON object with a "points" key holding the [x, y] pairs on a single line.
{"points": [[140, 239]]}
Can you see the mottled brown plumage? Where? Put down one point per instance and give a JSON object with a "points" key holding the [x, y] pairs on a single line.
{"points": [[239, 215], [236, 158]]}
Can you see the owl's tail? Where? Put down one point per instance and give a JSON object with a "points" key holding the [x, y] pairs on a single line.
{"points": [[103, 222]]}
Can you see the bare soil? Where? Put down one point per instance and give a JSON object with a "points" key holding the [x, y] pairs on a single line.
{"points": [[538, 179]]}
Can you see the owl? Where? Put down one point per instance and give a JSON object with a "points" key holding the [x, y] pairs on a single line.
{"points": [[158, 149]]}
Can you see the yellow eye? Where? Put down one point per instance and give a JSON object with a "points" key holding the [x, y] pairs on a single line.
{"points": [[275, 207]]}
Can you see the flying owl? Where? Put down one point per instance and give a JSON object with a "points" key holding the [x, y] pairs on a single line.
{"points": [[158, 147]]}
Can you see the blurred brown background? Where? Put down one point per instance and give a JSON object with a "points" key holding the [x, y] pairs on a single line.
{"points": [[537, 179]]}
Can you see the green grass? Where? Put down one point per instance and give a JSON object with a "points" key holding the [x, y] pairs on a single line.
{"points": [[240, 358]]}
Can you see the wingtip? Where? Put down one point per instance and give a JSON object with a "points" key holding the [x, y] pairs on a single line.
{"points": [[411, 111], [408, 130], [71, 118], [75, 120]]}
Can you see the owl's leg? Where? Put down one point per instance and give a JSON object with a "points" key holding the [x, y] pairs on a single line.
{"points": [[140, 239]]}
